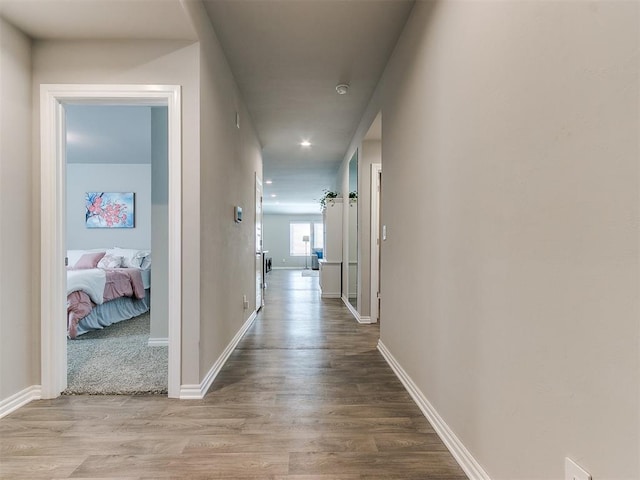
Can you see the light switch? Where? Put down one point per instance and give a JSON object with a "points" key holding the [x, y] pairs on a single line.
{"points": [[384, 232]]}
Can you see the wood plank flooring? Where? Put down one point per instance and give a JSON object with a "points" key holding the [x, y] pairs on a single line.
{"points": [[305, 396]]}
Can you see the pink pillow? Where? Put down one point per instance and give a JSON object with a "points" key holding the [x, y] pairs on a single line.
{"points": [[89, 260]]}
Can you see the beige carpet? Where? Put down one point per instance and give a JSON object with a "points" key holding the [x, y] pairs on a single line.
{"points": [[117, 361]]}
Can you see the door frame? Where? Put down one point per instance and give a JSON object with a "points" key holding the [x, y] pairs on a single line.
{"points": [[53, 358], [259, 240], [376, 171]]}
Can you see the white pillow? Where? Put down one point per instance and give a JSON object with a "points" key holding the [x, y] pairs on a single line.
{"points": [[146, 263], [110, 261], [73, 256], [131, 258]]}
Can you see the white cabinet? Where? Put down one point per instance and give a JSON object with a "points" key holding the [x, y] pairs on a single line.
{"points": [[331, 263], [332, 217], [330, 279]]}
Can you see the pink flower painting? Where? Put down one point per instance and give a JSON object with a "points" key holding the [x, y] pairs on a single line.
{"points": [[109, 210]]}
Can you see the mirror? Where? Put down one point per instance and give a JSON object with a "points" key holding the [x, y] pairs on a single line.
{"points": [[353, 231]]}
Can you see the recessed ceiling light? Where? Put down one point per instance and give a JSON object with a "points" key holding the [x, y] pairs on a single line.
{"points": [[305, 143], [268, 182], [342, 88], [273, 195]]}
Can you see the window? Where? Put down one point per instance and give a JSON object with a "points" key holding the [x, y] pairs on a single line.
{"points": [[297, 247], [318, 235], [298, 230]]}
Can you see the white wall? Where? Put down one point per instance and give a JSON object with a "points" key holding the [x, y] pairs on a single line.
{"points": [[159, 222], [108, 134], [217, 255], [370, 153], [137, 62], [510, 151], [231, 158], [18, 337], [276, 239], [122, 148], [82, 178]]}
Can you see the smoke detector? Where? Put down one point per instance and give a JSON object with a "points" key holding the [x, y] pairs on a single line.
{"points": [[342, 88]]}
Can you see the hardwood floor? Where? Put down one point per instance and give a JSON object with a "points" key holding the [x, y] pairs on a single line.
{"points": [[305, 396]]}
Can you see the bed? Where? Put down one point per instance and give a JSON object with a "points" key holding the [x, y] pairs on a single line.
{"points": [[106, 286]]}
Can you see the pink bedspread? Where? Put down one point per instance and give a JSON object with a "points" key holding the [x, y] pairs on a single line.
{"points": [[121, 282]]}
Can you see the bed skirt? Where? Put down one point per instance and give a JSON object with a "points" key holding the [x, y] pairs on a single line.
{"points": [[114, 311]]}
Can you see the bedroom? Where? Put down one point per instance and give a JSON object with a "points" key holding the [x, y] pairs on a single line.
{"points": [[116, 149]]}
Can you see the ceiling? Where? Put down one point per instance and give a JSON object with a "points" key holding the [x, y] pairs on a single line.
{"points": [[287, 57], [99, 19]]}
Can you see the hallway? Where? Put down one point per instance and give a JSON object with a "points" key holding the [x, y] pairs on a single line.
{"points": [[305, 395]]}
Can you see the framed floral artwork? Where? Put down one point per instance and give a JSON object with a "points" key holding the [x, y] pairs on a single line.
{"points": [[109, 210]]}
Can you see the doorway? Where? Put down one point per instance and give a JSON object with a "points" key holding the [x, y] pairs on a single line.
{"points": [[376, 194], [260, 260], [116, 206], [53, 219]]}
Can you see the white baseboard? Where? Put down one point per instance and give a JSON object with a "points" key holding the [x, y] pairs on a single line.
{"points": [[350, 307], [354, 312], [20, 399], [329, 295], [158, 342], [191, 392], [197, 392], [288, 268], [464, 458]]}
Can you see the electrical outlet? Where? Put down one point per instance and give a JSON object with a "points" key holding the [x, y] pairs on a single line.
{"points": [[245, 302], [573, 471]]}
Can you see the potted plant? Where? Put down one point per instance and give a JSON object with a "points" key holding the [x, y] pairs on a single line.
{"points": [[327, 196]]}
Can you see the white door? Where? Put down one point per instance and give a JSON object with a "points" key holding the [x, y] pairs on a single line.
{"points": [[259, 259]]}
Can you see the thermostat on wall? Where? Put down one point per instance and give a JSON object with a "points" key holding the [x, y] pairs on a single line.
{"points": [[238, 214]]}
